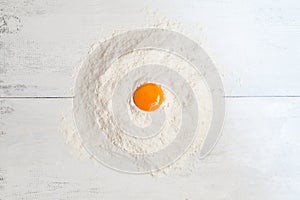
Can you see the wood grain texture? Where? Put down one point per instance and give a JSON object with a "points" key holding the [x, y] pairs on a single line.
{"points": [[255, 45], [257, 157]]}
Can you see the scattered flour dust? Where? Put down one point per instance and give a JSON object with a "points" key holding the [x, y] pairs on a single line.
{"points": [[187, 162]]}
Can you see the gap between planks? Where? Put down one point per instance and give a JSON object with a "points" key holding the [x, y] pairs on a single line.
{"points": [[226, 96]]}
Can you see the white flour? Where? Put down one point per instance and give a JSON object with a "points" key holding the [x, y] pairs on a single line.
{"points": [[171, 106]]}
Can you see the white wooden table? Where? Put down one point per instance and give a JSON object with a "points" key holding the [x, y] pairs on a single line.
{"points": [[256, 45]]}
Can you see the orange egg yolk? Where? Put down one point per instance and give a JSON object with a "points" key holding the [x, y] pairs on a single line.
{"points": [[148, 97]]}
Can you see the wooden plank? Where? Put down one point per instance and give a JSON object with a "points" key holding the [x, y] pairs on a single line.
{"points": [[254, 43], [257, 157]]}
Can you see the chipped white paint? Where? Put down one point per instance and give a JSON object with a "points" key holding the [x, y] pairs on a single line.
{"points": [[256, 46], [255, 41]]}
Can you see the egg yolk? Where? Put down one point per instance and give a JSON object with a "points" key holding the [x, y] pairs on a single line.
{"points": [[148, 97]]}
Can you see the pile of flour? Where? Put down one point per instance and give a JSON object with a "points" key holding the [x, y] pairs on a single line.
{"points": [[171, 106]]}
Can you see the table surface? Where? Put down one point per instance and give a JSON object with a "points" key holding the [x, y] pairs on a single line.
{"points": [[256, 47]]}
